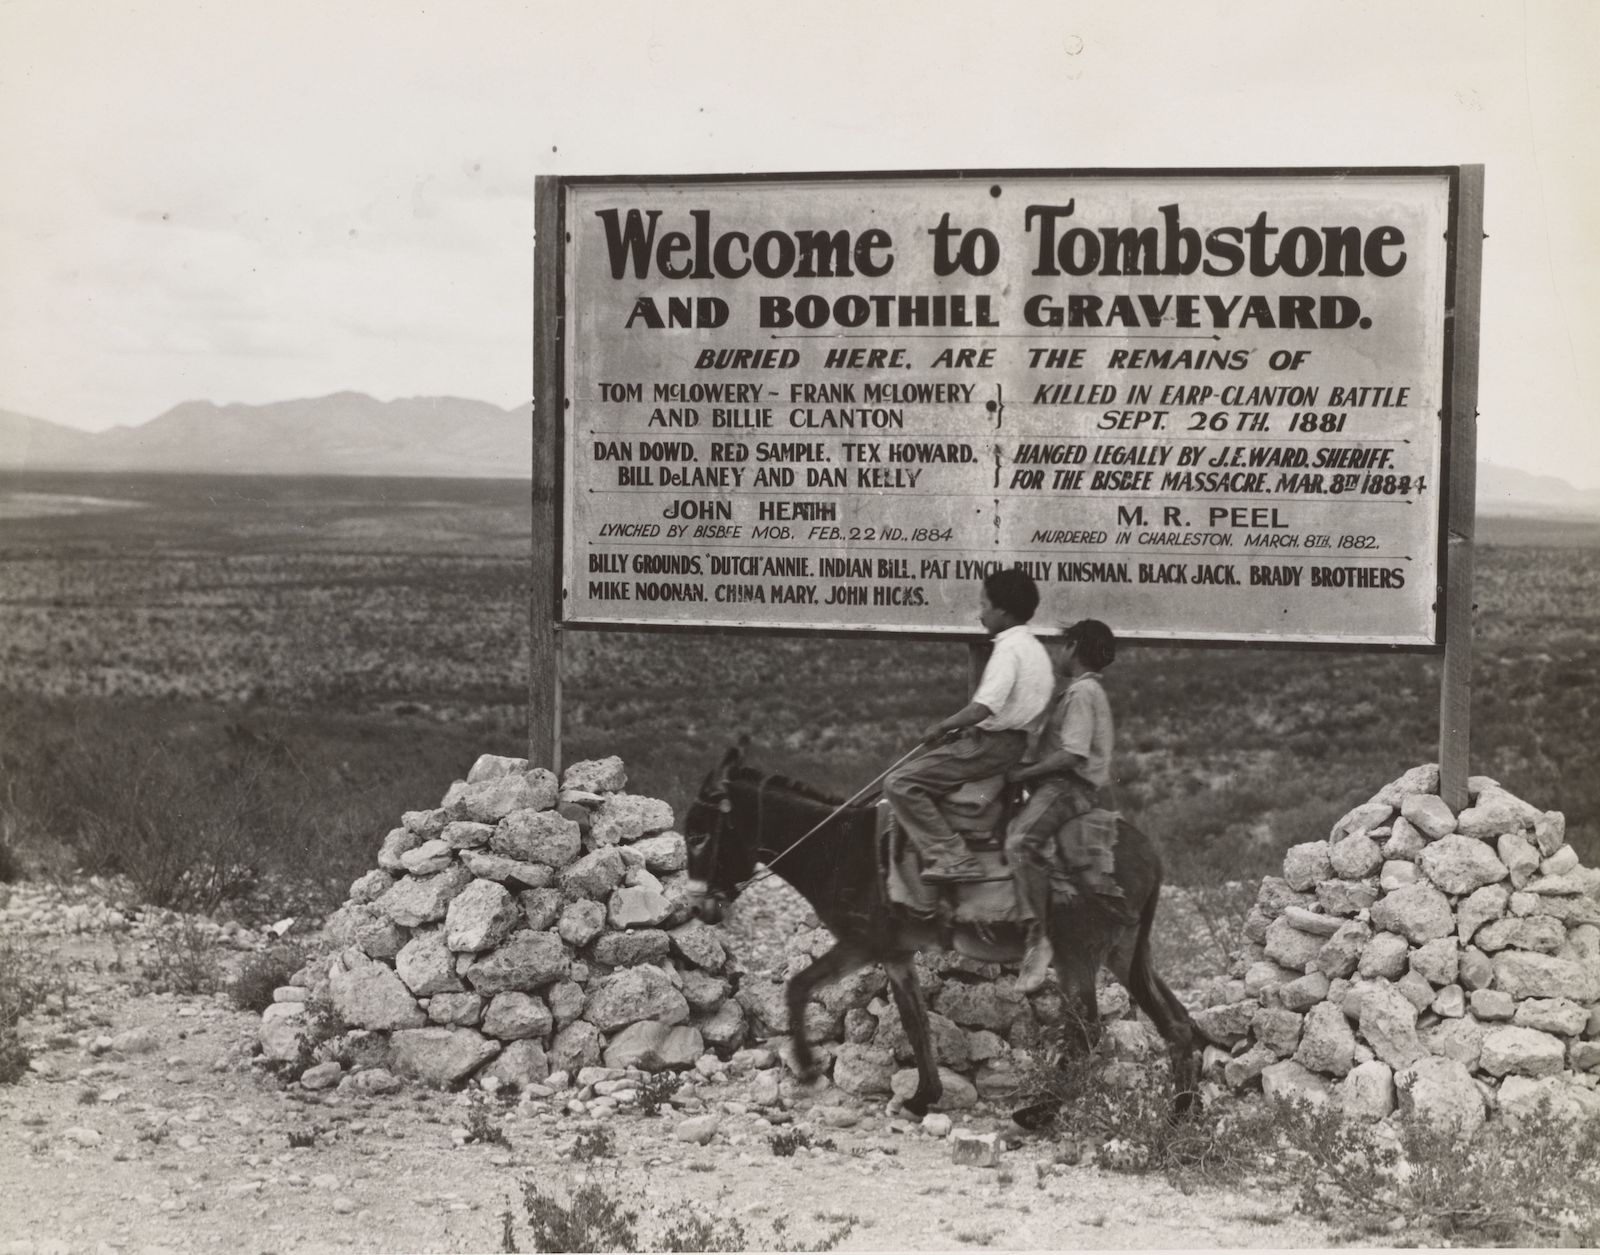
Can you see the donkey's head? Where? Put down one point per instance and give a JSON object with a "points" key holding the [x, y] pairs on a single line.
{"points": [[719, 859]]}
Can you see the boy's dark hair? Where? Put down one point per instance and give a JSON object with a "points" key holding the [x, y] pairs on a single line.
{"points": [[1097, 647], [1013, 591]]}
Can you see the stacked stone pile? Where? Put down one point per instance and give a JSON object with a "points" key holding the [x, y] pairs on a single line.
{"points": [[1422, 960], [983, 1030], [521, 927]]}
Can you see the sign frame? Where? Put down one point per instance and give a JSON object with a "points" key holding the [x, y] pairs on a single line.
{"points": [[1458, 387]]}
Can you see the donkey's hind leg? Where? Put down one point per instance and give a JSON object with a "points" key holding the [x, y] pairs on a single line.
{"points": [[1080, 944], [840, 961], [914, 1019], [1130, 962]]}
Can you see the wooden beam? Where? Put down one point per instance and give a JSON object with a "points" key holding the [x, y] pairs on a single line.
{"points": [[1455, 691], [544, 642]]}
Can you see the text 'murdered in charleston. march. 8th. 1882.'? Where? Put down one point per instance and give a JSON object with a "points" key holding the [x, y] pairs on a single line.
{"points": [[1198, 406]]}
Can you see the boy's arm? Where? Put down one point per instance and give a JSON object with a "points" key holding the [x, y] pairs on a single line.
{"points": [[999, 674], [971, 713], [1057, 760]]}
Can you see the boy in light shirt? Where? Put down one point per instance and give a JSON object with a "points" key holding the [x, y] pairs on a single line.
{"points": [[1066, 782], [993, 729]]}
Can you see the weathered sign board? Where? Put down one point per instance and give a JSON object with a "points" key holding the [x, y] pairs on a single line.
{"points": [[1198, 405]]}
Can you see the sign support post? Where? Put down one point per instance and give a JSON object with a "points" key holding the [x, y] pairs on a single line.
{"points": [[544, 610], [1455, 695]]}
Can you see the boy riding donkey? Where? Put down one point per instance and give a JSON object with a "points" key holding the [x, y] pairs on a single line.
{"points": [[1063, 817], [990, 736]]}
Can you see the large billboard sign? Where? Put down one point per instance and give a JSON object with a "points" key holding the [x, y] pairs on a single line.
{"points": [[1199, 405]]}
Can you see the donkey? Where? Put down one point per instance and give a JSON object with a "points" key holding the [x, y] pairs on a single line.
{"points": [[743, 816]]}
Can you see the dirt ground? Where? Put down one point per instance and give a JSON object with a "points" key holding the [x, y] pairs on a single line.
{"points": [[173, 1140]]}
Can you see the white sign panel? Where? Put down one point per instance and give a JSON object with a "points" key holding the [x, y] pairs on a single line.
{"points": [[1199, 406]]}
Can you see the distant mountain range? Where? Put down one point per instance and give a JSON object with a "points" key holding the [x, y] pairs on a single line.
{"points": [[347, 433], [350, 433]]}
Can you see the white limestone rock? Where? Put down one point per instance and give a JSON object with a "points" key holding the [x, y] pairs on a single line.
{"points": [[1367, 1093], [1306, 865], [1388, 1022], [537, 836], [595, 775], [481, 916], [1459, 865], [1524, 1051], [440, 1056], [1441, 1092], [367, 994], [1429, 815], [625, 817], [1417, 912], [418, 900]]}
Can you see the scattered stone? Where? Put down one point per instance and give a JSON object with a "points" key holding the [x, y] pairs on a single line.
{"points": [[974, 1150], [696, 1129]]}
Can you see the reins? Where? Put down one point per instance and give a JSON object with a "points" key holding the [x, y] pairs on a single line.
{"points": [[826, 820]]}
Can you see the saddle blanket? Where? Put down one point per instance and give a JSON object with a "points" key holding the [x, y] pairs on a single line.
{"points": [[989, 901]]}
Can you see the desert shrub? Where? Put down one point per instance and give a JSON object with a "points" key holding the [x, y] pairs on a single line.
{"points": [[10, 864], [182, 959], [261, 974], [27, 983], [592, 1144], [785, 1143], [590, 1219], [482, 1127], [589, 1216], [690, 1229], [655, 1091]]}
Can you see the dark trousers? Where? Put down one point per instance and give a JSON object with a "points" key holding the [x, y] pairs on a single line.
{"points": [[915, 787]]}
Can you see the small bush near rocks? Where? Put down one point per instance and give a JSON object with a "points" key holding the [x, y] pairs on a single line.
{"points": [[656, 1090], [182, 960], [10, 864], [482, 1127], [785, 1144], [592, 1144], [252, 988]]}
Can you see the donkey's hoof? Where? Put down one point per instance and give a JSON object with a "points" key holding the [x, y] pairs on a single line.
{"points": [[1036, 1115]]}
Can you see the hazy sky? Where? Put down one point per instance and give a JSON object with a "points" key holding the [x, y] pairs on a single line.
{"points": [[250, 201]]}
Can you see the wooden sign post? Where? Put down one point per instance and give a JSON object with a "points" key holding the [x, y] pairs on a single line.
{"points": [[1455, 693]]}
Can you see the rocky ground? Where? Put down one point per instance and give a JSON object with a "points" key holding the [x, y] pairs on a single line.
{"points": [[143, 1124]]}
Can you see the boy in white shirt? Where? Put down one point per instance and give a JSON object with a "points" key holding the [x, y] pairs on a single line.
{"points": [[993, 729]]}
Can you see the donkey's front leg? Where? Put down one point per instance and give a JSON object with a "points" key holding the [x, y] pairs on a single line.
{"points": [[914, 1019], [840, 961]]}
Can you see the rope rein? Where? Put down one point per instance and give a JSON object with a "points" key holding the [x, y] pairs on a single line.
{"points": [[828, 819]]}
